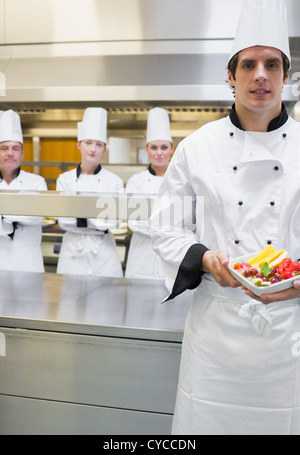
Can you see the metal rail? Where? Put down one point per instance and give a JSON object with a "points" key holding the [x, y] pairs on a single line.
{"points": [[120, 206]]}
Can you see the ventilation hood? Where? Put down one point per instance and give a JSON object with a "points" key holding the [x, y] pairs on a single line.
{"points": [[70, 54], [64, 75]]}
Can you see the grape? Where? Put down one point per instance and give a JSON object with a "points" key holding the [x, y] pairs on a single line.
{"points": [[247, 273], [254, 272], [259, 275], [278, 276], [273, 271], [274, 280]]}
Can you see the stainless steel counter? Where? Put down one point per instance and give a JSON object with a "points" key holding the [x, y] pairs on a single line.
{"points": [[116, 307], [87, 355]]}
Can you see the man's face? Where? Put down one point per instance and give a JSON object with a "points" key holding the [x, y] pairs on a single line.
{"points": [[11, 156], [259, 79]]}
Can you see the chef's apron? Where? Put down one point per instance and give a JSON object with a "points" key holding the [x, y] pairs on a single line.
{"points": [[224, 386], [88, 254]]}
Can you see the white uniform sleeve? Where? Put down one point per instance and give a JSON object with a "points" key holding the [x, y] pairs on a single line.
{"points": [[141, 226], [102, 224], [66, 224], [92, 224], [37, 185], [172, 225], [6, 226]]}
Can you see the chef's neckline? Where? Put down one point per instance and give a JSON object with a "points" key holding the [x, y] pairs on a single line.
{"points": [[276, 123], [1, 176], [96, 171], [151, 170]]}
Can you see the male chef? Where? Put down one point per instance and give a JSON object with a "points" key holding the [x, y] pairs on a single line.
{"points": [[20, 236], [239, 370]]}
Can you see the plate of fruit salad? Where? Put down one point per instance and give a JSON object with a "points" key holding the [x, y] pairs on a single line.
{"points": [[266, 271]]}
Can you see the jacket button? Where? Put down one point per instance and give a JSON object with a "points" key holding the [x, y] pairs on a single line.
{"points": [[235, 168], [241, 203], [272, 203], [236, 242], [276, 168], [269, 242], [284, 135], [231, 134]]}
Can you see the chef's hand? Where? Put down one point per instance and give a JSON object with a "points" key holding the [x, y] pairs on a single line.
{"points": [[215, 262], [288, 294]]}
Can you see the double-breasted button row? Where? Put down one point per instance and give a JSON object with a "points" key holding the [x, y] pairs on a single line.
{"points": [[240, 203], [284, 135], [235, 168], [269, 242]]}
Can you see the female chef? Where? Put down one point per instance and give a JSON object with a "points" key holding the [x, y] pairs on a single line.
{"points": [[240, 372], [20, 236], [88, 248], [142, 260]]}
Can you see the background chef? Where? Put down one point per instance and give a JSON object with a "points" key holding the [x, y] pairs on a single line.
{"points": [[142, 260], [88, 248], [20, 236], [238, 374]]}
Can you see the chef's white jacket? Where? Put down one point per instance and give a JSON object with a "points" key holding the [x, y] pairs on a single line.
{"points": [[238, 191], [88, 248], [142, 261], [20, 236]]}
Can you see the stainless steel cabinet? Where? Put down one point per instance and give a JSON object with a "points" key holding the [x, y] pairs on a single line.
{"points": [[88, 355]]}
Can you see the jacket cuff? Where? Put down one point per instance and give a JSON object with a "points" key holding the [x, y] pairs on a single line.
{"points": [[81, 222], [189, 275]]}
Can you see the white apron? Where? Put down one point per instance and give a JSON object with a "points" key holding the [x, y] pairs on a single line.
{"points": [[240, 364], [240, 370], [142, 260]]}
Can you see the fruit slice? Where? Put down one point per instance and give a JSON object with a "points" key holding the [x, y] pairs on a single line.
{"points": [[274, 256], [271, 257], [267, 251], [279, 259]]}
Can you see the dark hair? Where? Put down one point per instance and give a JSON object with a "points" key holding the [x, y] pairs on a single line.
{"points": [[232, 65]]}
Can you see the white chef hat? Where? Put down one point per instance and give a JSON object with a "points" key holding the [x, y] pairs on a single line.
{"points": [[10, 127], [93, 125], [158, 125], [262, 23]]}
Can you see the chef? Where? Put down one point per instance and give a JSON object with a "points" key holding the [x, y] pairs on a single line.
{"points": [[240, 369], [88, 246], [20, 236], [142, 260]]}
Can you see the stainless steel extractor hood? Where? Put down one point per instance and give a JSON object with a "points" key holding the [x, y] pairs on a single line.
{"points": [[55, 77], [122, 54]]}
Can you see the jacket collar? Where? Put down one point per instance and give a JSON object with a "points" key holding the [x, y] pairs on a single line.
{"points": [[152, 171], [273, 125], [1, 176], [78, 170]]}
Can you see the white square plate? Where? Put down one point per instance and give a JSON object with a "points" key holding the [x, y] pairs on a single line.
{"points": [[281, 286]]}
